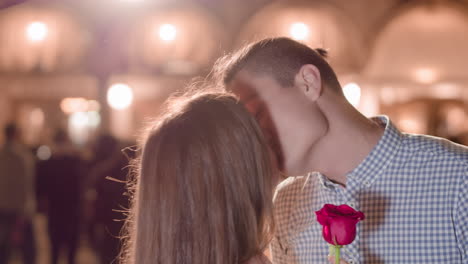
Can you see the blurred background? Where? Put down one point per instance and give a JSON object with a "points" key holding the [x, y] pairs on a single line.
{"points": [[81, 78]]}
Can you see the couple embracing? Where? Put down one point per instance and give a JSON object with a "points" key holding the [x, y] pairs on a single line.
{"points": [[211, 163]]}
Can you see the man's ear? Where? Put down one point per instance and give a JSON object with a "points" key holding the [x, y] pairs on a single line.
{"points": [[309, 82]]}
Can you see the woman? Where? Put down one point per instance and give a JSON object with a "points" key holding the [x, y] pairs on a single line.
{"points": [[204, 186]]}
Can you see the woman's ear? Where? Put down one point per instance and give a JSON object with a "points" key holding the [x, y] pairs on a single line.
{"points": [[309, 82]]}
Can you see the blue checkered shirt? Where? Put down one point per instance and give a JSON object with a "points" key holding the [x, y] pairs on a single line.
{"points": [[413, 190]]}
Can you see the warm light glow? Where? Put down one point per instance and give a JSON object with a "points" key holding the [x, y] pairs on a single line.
{"points": [[446, 90], [93, 105], [120, 96], [411, 126], [94, 119], [167, 32], [43, 152], [299, 31], [85, 119], [81, 125], [79, 119], [352, 92], [425, 75], [456, 119], [388, 94], [71, 105], [36, 32], [78, 127], [37, 117]]}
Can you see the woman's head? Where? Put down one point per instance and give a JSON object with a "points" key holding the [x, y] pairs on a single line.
{"points": [[204, 188]]}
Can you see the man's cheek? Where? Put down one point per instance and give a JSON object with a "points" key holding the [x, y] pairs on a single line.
{"points": [[275, 146]]}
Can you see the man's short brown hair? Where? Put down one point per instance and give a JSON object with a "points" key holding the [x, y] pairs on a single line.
{"points": [[280, 58]]}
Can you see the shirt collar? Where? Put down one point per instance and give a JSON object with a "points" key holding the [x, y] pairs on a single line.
{"points": [[381, 155]]}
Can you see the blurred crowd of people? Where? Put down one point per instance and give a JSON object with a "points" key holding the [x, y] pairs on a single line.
{"points": [[82, 196]]}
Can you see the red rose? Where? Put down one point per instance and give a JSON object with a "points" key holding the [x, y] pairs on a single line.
{"points": [[339, 223]]}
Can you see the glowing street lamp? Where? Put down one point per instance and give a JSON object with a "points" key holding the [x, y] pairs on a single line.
{"points": [[36, 31], [299, 31], [120, 96], [167, 32]]}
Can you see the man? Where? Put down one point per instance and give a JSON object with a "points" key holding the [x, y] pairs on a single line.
{"points": [[413, 189], [17, 198], [59, 188]]}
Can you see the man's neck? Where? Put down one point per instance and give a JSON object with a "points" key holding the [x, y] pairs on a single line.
{"points": [[348, 141], [341, 153]]}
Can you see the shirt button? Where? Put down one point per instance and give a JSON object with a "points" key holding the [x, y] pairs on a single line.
{"points": [[352, 262], [352, 204], [367, 183]]}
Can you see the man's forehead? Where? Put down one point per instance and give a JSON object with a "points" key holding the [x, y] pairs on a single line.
{"points": [[242, 87], [248, 84]]}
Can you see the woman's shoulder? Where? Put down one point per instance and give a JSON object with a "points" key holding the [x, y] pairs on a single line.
{"points": [[293, 186]]}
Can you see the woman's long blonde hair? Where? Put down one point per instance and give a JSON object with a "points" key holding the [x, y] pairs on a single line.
{"points": [[203, 191]]}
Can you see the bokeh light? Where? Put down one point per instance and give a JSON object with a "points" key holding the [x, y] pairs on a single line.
{"points": [[94, 119], [425, 75], [167, 32], [43, 152], [79, 119], [93, 105], [71, 105], [352, 92], [79, 127], [411, 125], [36, 32], [37, 117], [120, 96], [299, 31]]}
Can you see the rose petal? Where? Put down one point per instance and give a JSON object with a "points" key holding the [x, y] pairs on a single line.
{"points": [[321, 218], [339, 223]]}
